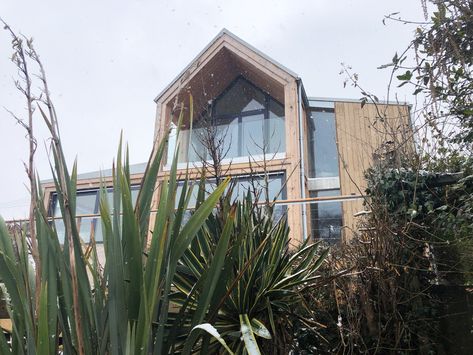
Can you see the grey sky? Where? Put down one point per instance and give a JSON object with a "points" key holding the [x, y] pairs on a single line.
{"points": [[107, 60]]}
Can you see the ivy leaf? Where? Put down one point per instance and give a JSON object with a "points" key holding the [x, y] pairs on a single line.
{"points": [[406, 76]]}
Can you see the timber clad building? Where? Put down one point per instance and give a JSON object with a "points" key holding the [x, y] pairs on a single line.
{"points": [[314, 150]]}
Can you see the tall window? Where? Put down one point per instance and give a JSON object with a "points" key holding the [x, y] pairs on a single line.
{"points": [[326, 217], [250, 121], [87, 209], [323, 173], [322, 143]]}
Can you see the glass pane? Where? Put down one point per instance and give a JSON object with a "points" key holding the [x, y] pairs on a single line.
{"points": [[192, 200], [86, 205], [323, 154], [274, 188], [135, 190], [59, 223], [252, 135], [60, 229], [276, 130], [172, 141], [228, 133], [85, 227], [326, 217], [245, 185], [242, 188], [197, 149], [240, 131], [183, 141], [98, 235], [241, 97], [86, 202]]}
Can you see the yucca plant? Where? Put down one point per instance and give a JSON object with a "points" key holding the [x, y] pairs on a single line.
{"points": [[260, 286]]}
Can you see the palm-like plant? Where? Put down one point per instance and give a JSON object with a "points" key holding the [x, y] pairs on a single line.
{"points": [[260, 281]]}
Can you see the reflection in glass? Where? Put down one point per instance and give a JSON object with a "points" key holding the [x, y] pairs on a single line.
{"points": [[326, 217], [87, 207], [197, 150], [276, 133], [240, 97], [86, 202], [247, 120], [252, 135], [228, 131], [59, 223], [322, 144], [242, 186]]}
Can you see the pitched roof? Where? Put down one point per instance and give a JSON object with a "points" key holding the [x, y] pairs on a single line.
{"points": [[222, 33]]}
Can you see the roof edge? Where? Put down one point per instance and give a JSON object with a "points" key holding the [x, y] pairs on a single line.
{"points": [[339, 99], [223, 32]]}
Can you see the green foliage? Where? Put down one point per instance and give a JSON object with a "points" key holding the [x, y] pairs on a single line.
{"points": [[124, 306], [232, 269], [440, 201], [415, 241], [261, 281], [404, 193], [444, 70]]}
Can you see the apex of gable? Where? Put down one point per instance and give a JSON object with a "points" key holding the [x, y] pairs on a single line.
{"points": [[224, 38]]}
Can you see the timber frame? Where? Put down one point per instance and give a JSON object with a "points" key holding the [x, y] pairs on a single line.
{"points": [[361, 131], [226, 58]]}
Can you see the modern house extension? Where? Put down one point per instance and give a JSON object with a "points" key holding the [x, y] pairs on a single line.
{"points": [[312, 151]]}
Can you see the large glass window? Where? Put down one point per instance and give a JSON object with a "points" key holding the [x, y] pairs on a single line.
{"points": [[87, 209], [326, 217], [241, 96], [248, 122], [322, 143], [242, 185]]}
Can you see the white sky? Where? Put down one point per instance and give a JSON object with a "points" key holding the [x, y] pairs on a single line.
{"points": [[107, 60]]}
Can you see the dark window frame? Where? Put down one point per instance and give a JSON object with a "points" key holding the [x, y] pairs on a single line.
{"points": [[268, 99], [311, 141]]}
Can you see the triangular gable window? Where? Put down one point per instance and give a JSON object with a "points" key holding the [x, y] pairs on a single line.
{"points": [[248, 121]]}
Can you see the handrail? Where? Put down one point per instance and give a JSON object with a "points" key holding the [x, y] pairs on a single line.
{"points": [[307, 200]]}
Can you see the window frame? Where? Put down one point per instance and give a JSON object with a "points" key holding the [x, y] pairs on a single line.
{"points": [[242, 155], [95, 216], [311, 141], [282, 193], [240, 116], [314, 208], [317, 184]]}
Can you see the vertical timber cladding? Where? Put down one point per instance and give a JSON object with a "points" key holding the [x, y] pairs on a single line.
{"points": [[305, 137], [293, 170], [361, 135]]}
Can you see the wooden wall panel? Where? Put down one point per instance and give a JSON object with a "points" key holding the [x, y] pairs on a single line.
{"points": [[293, 158], [362, 134]]}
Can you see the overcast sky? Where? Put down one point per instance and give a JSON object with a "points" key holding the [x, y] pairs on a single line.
{"points": [[107, 60]]}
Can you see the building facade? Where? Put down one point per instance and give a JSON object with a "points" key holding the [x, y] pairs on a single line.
{"points": [[312, 152]]}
